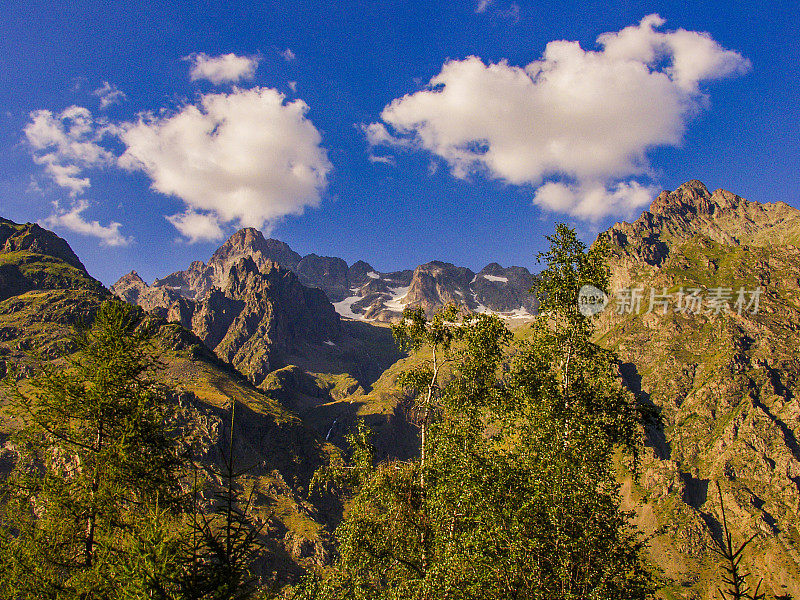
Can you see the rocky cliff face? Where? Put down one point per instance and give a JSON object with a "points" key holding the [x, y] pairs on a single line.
{"points": [[258, 319], [358, 292], [325, 272], [262, 317], [436, 283], [721, 375]]}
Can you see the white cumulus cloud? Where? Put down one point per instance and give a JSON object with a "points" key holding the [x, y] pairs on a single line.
{"points": [[592, 200], [66, 144], [72, 219], [247, 157], [586, 117], [197, 227], [225, 68]]}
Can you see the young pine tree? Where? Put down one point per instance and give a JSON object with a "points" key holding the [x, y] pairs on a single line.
{"points": [[96, 449]]}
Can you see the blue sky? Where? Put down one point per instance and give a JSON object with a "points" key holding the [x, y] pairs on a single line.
{"points": [[393, 132]]}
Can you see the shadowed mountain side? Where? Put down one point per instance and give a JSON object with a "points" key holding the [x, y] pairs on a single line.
{"points": [[263, 320]]}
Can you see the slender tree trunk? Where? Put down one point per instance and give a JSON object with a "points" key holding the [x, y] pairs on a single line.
{"points": [[424, 535], [91, 521]]}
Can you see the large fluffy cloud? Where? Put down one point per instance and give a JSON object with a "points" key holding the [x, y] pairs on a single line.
{"points": [[585, 118], [225, 68], [247, 157]]}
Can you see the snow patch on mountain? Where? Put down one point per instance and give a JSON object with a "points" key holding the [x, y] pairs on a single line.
{"points": [[495, 278], [398, 294], [345, 308]]}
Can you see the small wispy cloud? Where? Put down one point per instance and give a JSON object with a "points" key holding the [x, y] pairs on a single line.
{"points": [[197, 227], [378, 135], [386, 160], [109, 94], [72, 219], [511, 13], [287, 54], [225, 68]]}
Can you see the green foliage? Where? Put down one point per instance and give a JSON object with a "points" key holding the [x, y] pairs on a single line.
{"points": [[97, 442], [153, 565], [568, 267], [513, 494], [96, 505]]}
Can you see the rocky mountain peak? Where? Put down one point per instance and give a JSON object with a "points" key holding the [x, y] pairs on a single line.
{"points": [[131, 278], [691, 197], [200, 277], [743, 433], [360, 272], [436, 283], [251, 242], [691, 211]]}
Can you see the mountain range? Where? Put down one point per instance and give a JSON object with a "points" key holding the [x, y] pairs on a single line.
{"points": [[357, 292], [302, 344]]}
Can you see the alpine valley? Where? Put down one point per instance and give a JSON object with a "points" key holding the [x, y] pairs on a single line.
{"points": [[302, 348]]}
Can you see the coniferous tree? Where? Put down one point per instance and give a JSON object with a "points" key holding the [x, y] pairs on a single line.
{"points": [[222, 543], [97, 447]]}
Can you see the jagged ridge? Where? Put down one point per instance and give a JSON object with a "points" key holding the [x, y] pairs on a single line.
{"points": [[358, 292]]}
